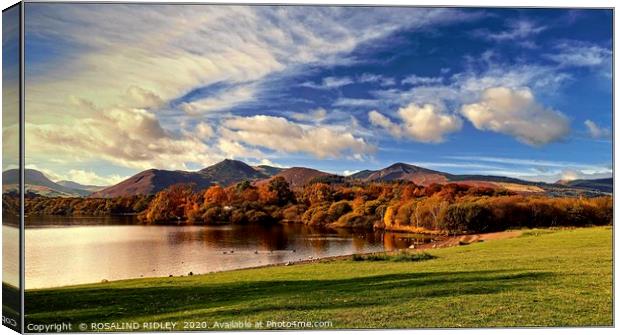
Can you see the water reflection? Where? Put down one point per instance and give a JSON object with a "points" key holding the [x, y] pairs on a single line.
{"points": [[63, 252]]}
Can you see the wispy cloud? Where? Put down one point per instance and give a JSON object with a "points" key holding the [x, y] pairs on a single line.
{"points": [[581, 54], [329, 83], [531, 162], [354, 102], [595, 131], [282, 135], [376, 78], [533, 169], [419, 80], [173, 50], [514, 30]]}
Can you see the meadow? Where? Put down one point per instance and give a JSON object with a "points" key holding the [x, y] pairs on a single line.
{"points": [[551, 277]]}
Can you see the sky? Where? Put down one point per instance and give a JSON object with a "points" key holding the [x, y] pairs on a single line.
{"points": [[112, 90]]}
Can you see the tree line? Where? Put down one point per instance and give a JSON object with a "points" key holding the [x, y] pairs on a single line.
{"points": [[396, 205]]}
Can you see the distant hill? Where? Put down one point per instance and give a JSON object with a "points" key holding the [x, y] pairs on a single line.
{"points": [[300, 176], [77, 186], [425, 177], [604, 185], [225, 173], [37, 182], [152, 181], [228, 172], [402, 171], [269, 170], [364, 174]]}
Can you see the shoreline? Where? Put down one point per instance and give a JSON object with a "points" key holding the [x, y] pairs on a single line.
{"points": [[448, 242]]}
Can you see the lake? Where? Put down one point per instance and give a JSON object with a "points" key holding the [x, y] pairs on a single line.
{"points": [[67, 251]]}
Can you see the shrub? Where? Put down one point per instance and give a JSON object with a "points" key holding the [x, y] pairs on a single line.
{"points": [[467, 217], [338, 209], [215, 215], [402, 256]]}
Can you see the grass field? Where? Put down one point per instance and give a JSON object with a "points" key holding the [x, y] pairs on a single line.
{"points": [[558, 278]]}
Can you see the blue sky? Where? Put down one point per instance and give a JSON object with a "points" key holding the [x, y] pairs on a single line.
{"points": [[115, 89]]}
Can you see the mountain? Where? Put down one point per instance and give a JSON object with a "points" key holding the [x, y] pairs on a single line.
{"points": [[77, 186], [300, 176], [402, 171], [604, 185], [228, 172], [269, 170], [37, 182], [362, 174], [152, 181], [423, 176], [225, 173]]}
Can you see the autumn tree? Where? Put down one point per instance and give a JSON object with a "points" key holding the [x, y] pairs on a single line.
{"points": [[215, 195], [169, 204]]}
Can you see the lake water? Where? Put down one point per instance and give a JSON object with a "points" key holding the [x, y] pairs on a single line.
{"points": [[75, 251]]}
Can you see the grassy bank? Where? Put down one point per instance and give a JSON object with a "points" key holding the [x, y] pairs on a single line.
{"points": [[562, 278]]}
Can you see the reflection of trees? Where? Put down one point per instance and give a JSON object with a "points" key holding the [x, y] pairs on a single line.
{"points": [[394, 241], [250, 236]]}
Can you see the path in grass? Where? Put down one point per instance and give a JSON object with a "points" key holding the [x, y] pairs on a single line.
{"points": [[563, 278]]}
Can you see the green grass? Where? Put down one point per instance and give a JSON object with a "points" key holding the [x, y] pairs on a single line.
{"points": [[562, 278]]}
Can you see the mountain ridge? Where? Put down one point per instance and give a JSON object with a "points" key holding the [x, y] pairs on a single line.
{"points": [[37, 182], [229, 172]]}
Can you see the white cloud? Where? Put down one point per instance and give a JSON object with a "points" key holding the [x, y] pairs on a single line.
{"points": [[234, 149], [281, 135], [349, 172], [91, 178], [142, 98], [171, 51], [530, 162], [222, 101], [570, 174], [418, 80], [353, 102], [516, 113], [537, 77], [204, 130], [428, 123], [380, 120], [329, 83], [315, 115], [581, 54], [84, 177], [127, 137], [517, 29], [536, 169], [595, 131], [376, 78], [423, 123], [469, 87]]}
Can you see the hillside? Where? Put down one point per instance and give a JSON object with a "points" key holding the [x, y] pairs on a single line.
{"points": [[152, 181], [78, 186], [37, 182], [402, 171], [225, 173], [300, 176], [269, 170], [604, 185], [228, 172]]}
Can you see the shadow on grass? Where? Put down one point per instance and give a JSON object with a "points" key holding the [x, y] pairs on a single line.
{"points": [[234, 299]]}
